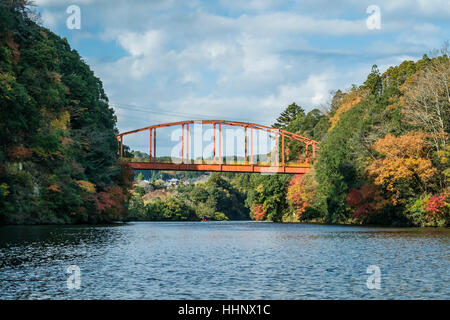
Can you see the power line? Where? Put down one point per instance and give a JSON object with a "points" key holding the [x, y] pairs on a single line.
{"points": [[138, 109], [189, 115], [173, 113]]}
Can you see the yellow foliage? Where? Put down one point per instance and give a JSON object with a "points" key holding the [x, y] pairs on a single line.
{"points": [[348, 101], [405, 160], [6, 79], [86, 186], [412, 144], [4, 189], [260, 188], [61, 122]]}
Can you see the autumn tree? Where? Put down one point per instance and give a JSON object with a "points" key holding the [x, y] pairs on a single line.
{"points": [[259, 212], [367, 203], [403, 168], [301, 193]]}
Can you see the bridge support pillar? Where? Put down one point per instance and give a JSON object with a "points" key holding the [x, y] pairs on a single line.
{"points": [[245, 151], [187, 143], [154, 144], [214, 153], [150, 149], [182, 143], [220, 143], [251, 145]]}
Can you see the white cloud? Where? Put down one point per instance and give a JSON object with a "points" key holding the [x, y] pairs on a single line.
{"points": [[426, 8], [61, 2], [141, 44], [312, 92], [249, 61], [49, 19]]}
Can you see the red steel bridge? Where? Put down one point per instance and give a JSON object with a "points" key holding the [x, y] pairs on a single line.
{"points": [[281, 163]]}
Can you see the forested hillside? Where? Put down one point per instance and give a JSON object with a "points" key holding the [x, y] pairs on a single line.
{"points": [[384, 154], [383, 159], [58, 152]]}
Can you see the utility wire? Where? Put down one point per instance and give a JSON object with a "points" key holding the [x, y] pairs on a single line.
{"points": [[173, 113]]}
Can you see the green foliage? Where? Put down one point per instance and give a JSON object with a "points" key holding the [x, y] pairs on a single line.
{"points": [[270, 192], [347, 150], [292, 112], [216, 199], [416, 210], [57, 130], [373, 82]]}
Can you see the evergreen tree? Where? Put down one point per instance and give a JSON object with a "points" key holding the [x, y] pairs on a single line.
{"points": [[292, 112]]}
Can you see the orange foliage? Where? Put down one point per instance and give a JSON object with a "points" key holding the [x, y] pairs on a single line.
{"points": [[54, 188], [296, 196], [348, 101], [405, 161], [20, 153], [411, 145], [259, 213]]}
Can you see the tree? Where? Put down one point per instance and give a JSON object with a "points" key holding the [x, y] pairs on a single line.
{"points": [[336, 100], [270, 193], [426, 103], [373, 82], [58, 150], [296, 196], [259, 212], [404, 168], [367, 203], [292, 112], [301, 194]]}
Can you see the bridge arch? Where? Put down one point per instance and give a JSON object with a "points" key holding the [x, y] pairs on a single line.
{"points": [[217, 164]]}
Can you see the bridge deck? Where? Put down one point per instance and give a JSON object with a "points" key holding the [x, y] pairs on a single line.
{"points": [[217, 167]]}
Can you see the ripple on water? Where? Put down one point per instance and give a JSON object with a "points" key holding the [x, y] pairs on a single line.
{"points": [[226, 260]]}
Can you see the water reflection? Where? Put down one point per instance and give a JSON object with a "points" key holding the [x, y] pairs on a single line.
{"points": [[223, 260]]}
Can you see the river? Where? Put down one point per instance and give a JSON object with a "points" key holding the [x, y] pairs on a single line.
{"points": [[223, 260]]}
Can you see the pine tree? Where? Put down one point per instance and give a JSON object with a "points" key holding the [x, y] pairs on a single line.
{"points": [[292, 112]]}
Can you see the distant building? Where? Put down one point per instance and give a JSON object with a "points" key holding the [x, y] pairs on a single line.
{"points": [[172, 182]]}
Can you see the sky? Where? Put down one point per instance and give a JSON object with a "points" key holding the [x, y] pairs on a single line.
{"points": [[163, 61]]}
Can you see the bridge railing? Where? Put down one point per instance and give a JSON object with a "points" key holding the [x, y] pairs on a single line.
{"points": [[279, 157], [228, 162]]}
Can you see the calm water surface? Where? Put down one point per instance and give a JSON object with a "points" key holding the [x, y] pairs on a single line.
{"points": [[223, 260]]}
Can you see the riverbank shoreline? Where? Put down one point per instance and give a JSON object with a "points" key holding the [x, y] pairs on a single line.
{"points": [[121, 223]]}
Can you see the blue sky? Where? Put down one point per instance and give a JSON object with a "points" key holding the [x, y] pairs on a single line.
{"points": [[172, 60]]}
